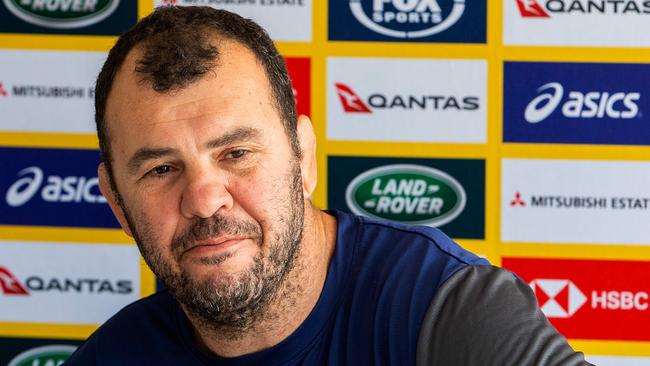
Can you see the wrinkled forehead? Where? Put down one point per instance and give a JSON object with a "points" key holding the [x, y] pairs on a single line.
{"points": [[237, 75]]}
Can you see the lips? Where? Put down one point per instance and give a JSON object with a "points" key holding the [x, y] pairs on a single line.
{"points": [[212, 245]]}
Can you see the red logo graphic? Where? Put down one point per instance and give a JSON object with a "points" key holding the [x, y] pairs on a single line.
{"points": [[350, 100], [169, 2], [3, 92], [590, 299], [299, 69], [558, 298], [9, 284], [517, 201], [531, 9]]}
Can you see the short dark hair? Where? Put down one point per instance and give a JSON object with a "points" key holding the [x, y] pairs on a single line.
{"points": [[177, 51]]}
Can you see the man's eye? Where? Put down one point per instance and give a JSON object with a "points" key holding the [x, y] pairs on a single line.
{"points": [[236, 154], [161, 170]]}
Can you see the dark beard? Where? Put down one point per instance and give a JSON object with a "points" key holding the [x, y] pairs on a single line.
{"points": [[232, 303]]}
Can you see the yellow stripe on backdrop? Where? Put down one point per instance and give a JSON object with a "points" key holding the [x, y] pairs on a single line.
{"points": [[63, 234], [57, 331], [575, 251], [56, 42], [492, 176], [579, 152], [611, 348], [576, 54], [42, 140]]}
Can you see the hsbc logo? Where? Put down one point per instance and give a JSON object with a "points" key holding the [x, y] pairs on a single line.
{"points": [[558, 298], [590, 299], [351, 102], [545, 8], [591, 104], [562, 298]]}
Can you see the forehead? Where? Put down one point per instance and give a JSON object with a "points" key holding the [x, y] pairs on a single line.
{"points": [[237, 88]]}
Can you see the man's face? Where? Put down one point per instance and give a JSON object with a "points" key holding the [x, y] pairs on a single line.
{"points": [[209, 185]]}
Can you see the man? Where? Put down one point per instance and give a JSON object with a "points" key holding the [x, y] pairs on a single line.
{"points": [[207, 166]]}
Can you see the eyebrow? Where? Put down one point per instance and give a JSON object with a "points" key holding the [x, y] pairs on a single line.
{"points": [[238, 135], [146, 154]]}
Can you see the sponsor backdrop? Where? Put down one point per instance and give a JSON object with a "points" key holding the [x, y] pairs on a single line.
{"points": [[521, 128]]}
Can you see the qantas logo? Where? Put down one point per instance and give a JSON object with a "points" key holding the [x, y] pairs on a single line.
{"points": [[558, 298], [533, 8], [530, 8], [353, 103], [9, 284], [350, 100]]}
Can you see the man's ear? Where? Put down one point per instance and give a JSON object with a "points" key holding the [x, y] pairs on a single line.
{"points": [[307, 140], [107, 191]]}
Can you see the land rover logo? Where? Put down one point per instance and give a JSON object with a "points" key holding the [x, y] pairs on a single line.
{"points": [[44, 356], [62, 14], [412, 194], [395, 18]]}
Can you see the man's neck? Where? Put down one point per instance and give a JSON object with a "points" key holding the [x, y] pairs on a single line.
{"points": [[294, 300]]}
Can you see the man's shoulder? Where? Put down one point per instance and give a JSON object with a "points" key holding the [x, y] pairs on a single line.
{"points": [[488, 313], [394, 273], [144, 325], [394, 239]]}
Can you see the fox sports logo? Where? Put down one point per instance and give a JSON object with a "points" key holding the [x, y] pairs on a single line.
{"points": [[407, 18]]}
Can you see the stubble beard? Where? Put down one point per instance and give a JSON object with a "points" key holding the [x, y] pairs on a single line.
{"points": [[231, 303]]}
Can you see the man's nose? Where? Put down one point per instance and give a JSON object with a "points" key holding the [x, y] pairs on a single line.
{"points": [[205, 193]]}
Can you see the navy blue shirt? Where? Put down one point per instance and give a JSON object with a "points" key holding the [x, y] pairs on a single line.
{"points": [[380, 282]]}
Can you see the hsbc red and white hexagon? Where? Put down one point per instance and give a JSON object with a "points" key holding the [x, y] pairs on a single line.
{"points": [[590, 299]]}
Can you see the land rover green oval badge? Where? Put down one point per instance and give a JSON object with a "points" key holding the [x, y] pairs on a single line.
{"points": [[407, 193], [53, 355], [62, 14]]}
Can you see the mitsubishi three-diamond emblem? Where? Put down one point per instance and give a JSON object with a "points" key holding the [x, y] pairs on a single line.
{"points": [[558, 298]]}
